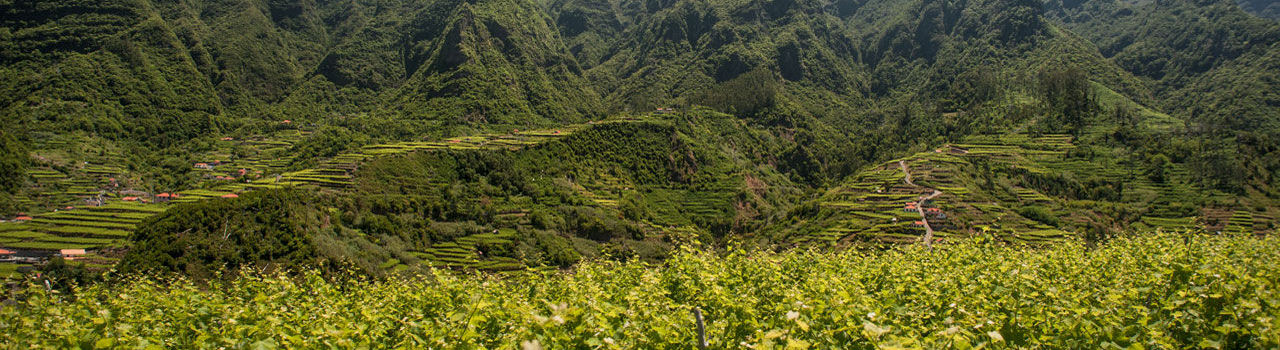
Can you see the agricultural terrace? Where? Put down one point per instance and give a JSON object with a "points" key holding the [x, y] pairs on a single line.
{"points": [[76, 225], [1028, 199]]}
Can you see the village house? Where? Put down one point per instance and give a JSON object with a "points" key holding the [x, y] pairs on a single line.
{"points": [[163, 197], [72, 254], [911, 207], [664, 110], [6, 255], [22, 218], [203, 166], [917, 224], [231, 195]]}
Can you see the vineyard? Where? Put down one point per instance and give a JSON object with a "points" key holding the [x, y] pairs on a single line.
{"points": [[1150, 291]]}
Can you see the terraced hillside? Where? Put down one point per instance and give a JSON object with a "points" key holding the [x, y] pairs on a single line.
{"points": [[80, 223], [622, 188], [1018, 188]]}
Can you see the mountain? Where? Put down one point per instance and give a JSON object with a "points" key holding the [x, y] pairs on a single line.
{"points": [[1264, 9]]}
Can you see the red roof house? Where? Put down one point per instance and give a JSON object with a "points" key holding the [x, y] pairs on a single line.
{"points": [[129, 199], [231, 195], [22, 218]]}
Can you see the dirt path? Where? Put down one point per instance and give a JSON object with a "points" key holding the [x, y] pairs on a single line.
{"points": [[903, 164], [928, 231]]}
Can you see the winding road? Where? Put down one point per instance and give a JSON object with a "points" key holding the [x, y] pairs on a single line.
{"points": [[928, 231]]}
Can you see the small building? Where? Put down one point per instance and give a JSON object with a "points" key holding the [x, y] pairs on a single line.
{"points": [[131, 199], [228, 139], [72, 254], [5, 254], [22, 218], [286, 121], [664, 110], [909, 208], [231, 195], [203, 166], [917, 224], [163, 197]]}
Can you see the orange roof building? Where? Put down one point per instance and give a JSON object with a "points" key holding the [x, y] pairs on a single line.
{"points": [[231, 195], [22, 218]]}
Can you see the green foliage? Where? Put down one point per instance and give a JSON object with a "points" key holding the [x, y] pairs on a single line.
{"points": [[13, 163], [1067, 95], [1039, 214], [264, 229], [1176, 292]]}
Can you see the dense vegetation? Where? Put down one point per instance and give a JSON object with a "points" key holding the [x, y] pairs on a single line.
{"points": [[1153, 290], [857, 82]]}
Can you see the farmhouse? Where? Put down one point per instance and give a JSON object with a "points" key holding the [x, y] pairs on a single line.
{"points": [[72, 254], [231, 195], [909, 208], [203, 166], [5, 254], [917, 224], [22, 218], [227, 139], [163, 197]]}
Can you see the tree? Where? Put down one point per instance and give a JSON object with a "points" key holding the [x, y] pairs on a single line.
{"points": [[1067, 94]]}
